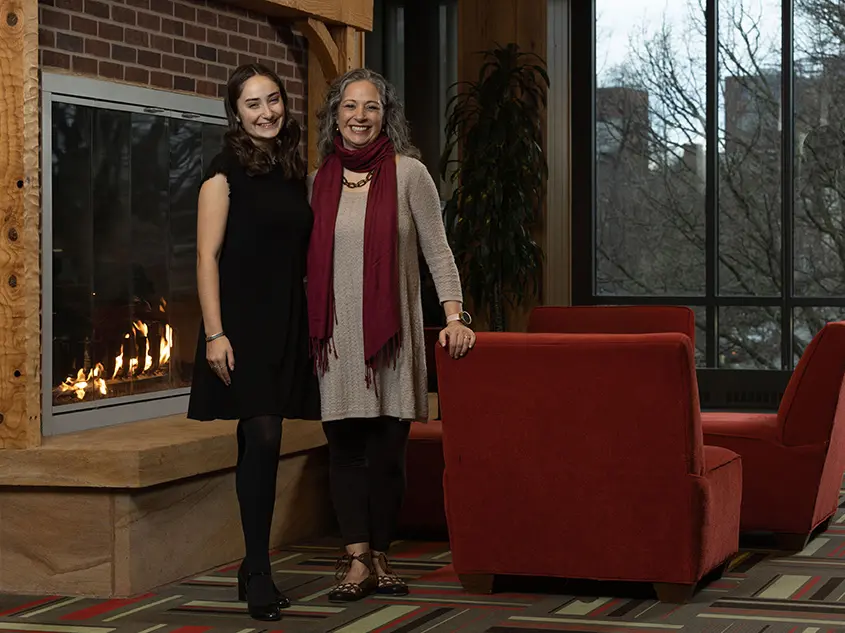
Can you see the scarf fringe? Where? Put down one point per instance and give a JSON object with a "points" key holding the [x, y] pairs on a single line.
{"points": [[386, 356], [320, 351], [320, 348]]}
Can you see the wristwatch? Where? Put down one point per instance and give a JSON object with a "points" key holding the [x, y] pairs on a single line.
{"points": [[462, 316]]}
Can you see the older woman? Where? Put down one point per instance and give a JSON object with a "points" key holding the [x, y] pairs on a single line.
{"points": [[374, 202]]}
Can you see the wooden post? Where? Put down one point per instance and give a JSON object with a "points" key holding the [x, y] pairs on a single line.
{"points": [[317, 85], [20, 216], [350, 47]]}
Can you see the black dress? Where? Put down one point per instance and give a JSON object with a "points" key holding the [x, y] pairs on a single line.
{"points": [[262, 302]]}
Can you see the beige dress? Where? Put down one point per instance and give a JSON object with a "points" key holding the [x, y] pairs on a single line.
{"points": [[402, 392]]}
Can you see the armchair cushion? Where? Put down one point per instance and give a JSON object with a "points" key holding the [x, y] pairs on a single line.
{"points": [[715, 457], [763, 426]]}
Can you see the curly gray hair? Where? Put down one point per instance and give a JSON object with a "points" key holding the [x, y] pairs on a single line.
{"points": [[394, 124]]}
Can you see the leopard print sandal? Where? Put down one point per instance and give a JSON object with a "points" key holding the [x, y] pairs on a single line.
{"points": [[389, 583], [353, 591]]}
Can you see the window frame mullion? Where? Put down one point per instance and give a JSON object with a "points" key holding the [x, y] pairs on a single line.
{"points": [[787, 115], [711, 181]]}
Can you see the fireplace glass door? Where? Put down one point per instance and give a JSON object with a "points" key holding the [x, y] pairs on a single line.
{"points": [[123, 192]]}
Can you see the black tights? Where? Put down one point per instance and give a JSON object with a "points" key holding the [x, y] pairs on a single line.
{"points": [[259, 440], [367, 469]]}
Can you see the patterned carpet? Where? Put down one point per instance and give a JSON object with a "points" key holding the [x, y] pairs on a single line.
{"points": [[763, 592]]}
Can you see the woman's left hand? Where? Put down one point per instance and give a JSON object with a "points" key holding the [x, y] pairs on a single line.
{"points": [[458, 337]]}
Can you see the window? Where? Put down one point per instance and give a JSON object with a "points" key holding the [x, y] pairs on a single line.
{"points": [[120, 297], [716, 180]]}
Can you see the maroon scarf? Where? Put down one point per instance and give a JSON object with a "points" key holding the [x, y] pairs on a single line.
{"points": [[381, 266]]}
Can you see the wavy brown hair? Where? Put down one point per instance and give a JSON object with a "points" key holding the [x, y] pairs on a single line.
{"points": [[394, 123], [285, 151]]}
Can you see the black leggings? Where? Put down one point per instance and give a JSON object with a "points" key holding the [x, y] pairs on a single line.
{"points": [[259, 440], [367, 472]]}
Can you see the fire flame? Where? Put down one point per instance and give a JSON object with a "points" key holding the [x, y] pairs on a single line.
{"points": [[166, 345], [144, 329], [95, 377]]}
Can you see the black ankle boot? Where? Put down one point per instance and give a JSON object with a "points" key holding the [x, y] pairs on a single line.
{"points": [[263, 599], [282, 599]]}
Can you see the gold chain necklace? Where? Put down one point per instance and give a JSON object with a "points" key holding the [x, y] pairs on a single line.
{"points": [[360, 183]]}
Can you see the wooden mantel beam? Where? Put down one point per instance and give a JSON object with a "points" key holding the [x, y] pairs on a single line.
{"points": [[20, 216], [355, 13]]}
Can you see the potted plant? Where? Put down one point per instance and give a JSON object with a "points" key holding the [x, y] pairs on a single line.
{"points": [[499, 176]]}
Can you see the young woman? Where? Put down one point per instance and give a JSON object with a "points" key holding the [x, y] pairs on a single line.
{"points": [[252, 361]]}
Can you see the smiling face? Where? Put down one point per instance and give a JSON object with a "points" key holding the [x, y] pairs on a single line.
{"points": [[260, 109], [360, 114]]}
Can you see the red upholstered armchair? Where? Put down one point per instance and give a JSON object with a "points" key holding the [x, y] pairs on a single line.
{"points": [[793, 460], [581, 456], [613, 320]]}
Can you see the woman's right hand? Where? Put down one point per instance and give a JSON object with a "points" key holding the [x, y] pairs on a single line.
{"points": [[221, 358]]}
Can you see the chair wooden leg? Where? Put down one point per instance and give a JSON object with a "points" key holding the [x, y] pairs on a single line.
{"points": [[797, 542], [477, 583], [674, 593], [791, 542], [718, 572]]}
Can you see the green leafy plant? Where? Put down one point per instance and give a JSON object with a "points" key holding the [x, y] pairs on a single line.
{"points": [[499, 174]]}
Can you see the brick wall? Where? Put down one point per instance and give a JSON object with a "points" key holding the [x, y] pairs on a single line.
{"points": [[186, 46]]}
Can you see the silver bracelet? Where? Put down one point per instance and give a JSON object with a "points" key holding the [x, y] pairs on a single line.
{"points": [[208, 339]]}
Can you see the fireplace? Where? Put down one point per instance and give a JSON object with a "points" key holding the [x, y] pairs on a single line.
{"points": [[122, 169]]}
